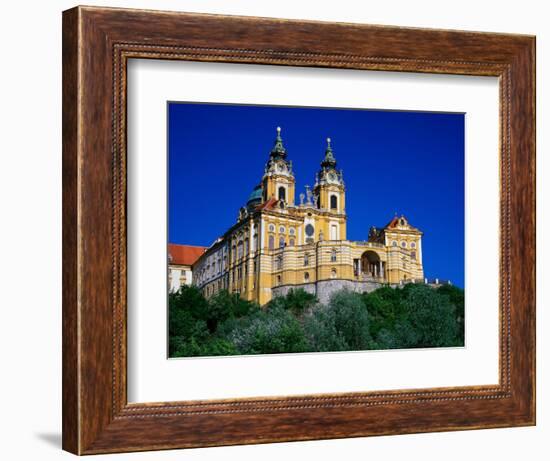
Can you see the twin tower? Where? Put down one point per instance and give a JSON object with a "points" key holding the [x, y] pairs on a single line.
{"points": [[278, 182]]}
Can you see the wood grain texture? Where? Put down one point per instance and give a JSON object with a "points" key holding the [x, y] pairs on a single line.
{"points": [[97, 43], [70, 384]]}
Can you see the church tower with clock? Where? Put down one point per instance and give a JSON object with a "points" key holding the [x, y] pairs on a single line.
{"points": [[330, 194], [329, 188], [278, 181]]}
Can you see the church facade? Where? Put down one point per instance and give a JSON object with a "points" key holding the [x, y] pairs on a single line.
{"points": [[279, 243]]}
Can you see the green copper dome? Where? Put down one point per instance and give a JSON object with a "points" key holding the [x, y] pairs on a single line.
{"points": [[256, 196]]}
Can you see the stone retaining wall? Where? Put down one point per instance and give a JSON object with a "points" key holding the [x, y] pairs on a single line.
{"points": [[324, 288]]}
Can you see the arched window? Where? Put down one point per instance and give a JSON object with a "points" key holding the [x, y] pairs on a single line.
{"points": [[279, 262], [240, 249], [306, 260], [271, 242], [333, 202], [282, 193], [394, 243], [246, 249], [281, 229], [291, 242], [271, 228], [306, 277], [281, 242], [255, 242], [333, 255], [278, 280], [413, 255], [333, 274]]}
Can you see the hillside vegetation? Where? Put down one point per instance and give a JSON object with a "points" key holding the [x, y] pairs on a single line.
{"points": [[388, 318]]}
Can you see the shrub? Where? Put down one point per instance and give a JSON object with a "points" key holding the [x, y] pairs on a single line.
{"points": [[269, 331], [342, 324], [387, 318], [430, 319], [296, 300]]}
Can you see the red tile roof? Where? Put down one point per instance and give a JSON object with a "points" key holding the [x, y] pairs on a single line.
{"points": [[184, 254], [268, 205], [392, 223]]}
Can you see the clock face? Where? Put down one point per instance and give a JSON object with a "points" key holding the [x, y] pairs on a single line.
{"points": [[309, 230], [331, 176], [281, 167]]}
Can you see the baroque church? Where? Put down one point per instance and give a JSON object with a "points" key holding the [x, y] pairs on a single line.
{"points": [[279, 243]]}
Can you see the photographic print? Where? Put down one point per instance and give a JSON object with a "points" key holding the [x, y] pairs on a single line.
{"points": [[310, 229]]}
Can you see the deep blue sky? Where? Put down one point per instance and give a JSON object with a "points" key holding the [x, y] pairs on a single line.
{"points": [[411, 163]]}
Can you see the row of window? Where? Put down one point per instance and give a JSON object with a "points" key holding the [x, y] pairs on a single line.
{"points": [[403, 244], [333, 258], [213, 288], [282, 242], [212, 268], [282, 229]]}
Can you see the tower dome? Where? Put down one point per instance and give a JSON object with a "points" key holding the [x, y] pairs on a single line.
{"points": [[255, 197]]}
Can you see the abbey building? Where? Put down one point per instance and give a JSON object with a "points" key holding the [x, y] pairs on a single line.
{"points": [[280, 242]]}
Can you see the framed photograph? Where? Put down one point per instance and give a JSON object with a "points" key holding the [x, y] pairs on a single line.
{"points": [[282, 230]]}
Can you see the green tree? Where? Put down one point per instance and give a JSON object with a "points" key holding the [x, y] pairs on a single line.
{"points": [[385, 307], [224, 305], [268, 331], [430, 319], [296, 300], [340, 325], [456, 296]]}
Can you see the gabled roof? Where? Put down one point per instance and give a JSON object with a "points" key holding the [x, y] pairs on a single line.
{"points": [[395, 224], [392, 223], [185, 255], [268, 205]]}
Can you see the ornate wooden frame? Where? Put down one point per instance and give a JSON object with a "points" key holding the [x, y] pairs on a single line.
{"points": [[97, 43]]}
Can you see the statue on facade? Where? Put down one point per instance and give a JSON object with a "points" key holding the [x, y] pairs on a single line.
{"points": [[309, 195]]}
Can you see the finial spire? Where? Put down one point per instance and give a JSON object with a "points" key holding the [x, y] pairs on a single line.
{"points": [[329, 160], [278, 148]]}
